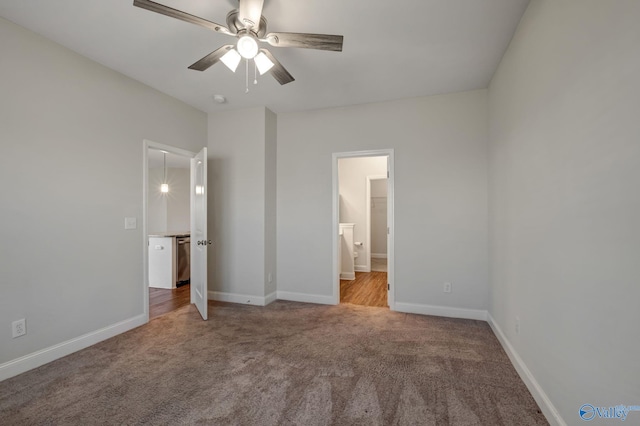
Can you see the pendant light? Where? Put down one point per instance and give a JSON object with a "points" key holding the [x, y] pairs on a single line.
{"points": [[164, 188]]}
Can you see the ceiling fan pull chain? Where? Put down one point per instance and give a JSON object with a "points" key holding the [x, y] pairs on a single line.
{"points": [[246, 85]]}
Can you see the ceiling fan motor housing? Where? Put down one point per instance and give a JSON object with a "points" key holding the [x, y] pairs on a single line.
{"points": [[237, 26]]}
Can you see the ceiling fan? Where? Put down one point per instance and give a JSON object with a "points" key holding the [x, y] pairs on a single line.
{"points": [[249, 26]]}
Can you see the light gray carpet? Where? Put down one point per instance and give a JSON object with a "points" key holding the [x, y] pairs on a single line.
{"points": [[287, 363]]}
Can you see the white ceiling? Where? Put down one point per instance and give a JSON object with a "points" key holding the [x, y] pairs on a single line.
{"points": [[392, 48]]}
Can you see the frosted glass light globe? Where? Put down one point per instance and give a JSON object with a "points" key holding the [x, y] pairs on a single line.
{"points": [[247, 47]]}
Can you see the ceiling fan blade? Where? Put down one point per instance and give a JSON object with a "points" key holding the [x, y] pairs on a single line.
{"points": [[211, 58], [250, 12], [183, 16], [278, 71], [307, 41]]}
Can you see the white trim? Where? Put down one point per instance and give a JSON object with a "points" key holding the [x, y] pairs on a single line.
{"points": [[378, 255], [306, 298], [44, 356], [146, 145], [244, 299], [348, 276], [270, 298], [336, 221], [442, 311], [360, 268], [548, 409]]}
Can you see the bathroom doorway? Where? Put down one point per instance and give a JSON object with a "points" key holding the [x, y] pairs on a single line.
{"points": [[363, 228]]}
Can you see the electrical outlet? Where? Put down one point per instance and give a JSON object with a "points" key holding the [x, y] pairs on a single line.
{"points": [[447, 288], [19, 328], [517, 325]]}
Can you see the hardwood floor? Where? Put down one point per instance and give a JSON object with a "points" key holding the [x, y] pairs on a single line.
{"points": [[368, 289], [162, 301]]}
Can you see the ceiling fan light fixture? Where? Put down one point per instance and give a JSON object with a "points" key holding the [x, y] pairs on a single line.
{"points": [[231, 59], [263, 63], [249, 26], [247, 47]]}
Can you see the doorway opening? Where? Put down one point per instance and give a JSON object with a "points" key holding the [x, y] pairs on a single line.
{"points": [[167, 215], [363, 228], [377, 222]]}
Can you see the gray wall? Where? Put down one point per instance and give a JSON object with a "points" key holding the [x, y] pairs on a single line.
{"points": [[270, 208], [565, 200], [169, 212], [241, 187], [178, 200], [379, 216], [441, 219], [72, 133], [157, 203]]}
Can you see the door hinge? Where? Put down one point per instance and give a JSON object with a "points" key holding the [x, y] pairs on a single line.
{"points": [[387, 174], [388, 286], [388, 230]]}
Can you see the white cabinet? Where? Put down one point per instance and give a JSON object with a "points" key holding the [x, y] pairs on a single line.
{"points": [[162, 268]]}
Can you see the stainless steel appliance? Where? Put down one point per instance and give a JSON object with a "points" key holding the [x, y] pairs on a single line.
{"points": [[183, 260]]}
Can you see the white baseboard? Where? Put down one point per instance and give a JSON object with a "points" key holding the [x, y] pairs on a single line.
{"points": [[307, 298], [548, 409], [379, 255], [270, 298], [347, 276], [44, 356], [244, 299], [361, 268], [441, 311]]}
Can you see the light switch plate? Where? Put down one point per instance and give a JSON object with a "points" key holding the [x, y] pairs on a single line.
{"points": [[130, 223]]}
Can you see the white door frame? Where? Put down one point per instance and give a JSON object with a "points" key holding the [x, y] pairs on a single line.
{"points": [[368, 219], [390, 220], [146, 145]]}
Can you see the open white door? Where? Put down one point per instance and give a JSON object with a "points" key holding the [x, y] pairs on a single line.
{"points": [[390, 236], [199, 240]]}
